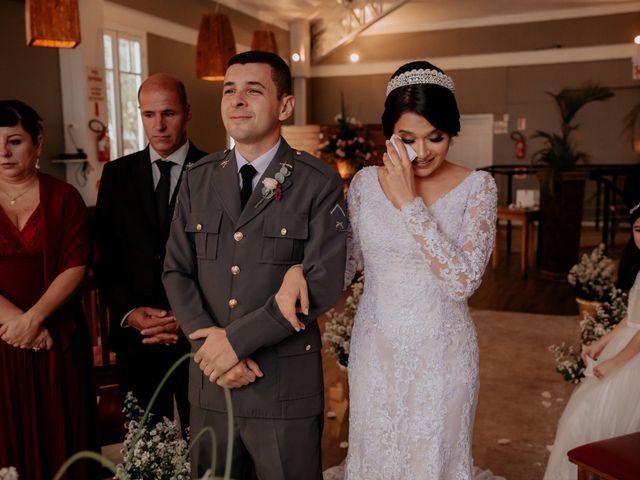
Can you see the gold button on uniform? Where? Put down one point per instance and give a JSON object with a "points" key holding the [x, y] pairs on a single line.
{"points": [[238, 236], [198, 227], [235, 269], [233, 303], [307, 348], [283, 232]]}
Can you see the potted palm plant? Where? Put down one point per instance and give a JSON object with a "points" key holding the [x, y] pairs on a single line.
{"points": [[562, 187]]}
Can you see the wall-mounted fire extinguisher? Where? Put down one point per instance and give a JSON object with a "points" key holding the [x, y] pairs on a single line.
{"points": [[521, 147], [102, 139]]}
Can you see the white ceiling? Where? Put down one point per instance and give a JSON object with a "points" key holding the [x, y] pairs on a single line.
{"points": [[420, 15]]}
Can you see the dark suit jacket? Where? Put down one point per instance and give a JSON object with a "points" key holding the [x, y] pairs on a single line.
{"points": [[130, 241], [210, 235]]}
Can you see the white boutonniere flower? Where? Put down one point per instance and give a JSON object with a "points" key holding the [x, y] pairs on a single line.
{"points": [[272, 187]]}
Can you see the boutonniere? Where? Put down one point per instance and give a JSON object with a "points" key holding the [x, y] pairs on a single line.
{"points": [[272, 187], [188, 165]]}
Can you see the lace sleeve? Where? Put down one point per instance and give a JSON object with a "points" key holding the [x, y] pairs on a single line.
{"points": [[459, 266], [354, 253]]}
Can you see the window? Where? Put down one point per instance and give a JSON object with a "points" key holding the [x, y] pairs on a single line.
{"points": [[124, 69]]}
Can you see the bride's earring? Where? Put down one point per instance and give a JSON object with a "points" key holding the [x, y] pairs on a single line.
{"points": [[38, 163]]}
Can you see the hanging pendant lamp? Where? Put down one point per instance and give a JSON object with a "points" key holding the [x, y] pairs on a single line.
{"points": [[264, 40], [52, 23], [216, 46]]}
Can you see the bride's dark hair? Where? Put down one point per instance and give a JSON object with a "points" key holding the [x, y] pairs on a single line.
{"points": [[437, 104]]}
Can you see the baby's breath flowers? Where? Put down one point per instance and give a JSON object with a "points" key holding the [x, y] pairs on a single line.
{"points": [[593, 277], [337, 334]]}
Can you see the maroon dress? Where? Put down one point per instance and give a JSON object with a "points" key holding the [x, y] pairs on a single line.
{"points": [[47, 405]]}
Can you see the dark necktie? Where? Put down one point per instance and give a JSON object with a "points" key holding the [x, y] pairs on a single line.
{"points": [[247, 172], [162, 190]]}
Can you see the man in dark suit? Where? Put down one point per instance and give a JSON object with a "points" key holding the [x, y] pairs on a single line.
{"points": [[244, 217], [135, 204]]}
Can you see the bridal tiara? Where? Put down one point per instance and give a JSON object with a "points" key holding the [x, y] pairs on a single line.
{"points": [[422, 76], [634, 209]]}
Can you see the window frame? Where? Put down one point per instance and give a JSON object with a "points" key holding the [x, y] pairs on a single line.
{"points": [[117, 32]]}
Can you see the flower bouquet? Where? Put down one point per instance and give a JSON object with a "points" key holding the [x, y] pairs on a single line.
{"points": [[346, 149], [593, 277], [337, 334], [592, 327]]}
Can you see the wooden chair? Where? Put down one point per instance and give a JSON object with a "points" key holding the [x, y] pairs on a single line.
{"points": [[110, 417], [616, 458], [527, 217]]}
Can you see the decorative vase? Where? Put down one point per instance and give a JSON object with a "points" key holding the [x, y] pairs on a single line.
{"points": [[588, 306], [561, 202]]}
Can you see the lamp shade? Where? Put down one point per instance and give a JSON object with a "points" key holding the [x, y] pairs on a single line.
{"points": [[264, 40], [216, 46], [52, 23]]}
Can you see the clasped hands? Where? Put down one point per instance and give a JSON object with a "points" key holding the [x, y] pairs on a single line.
{"points": [[158, 326], [219, 361], [216, 356], [593, 351], [25, 330]]}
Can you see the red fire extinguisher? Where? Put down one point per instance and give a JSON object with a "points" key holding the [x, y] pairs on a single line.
{"points": [[102, 139], [521, 148]]}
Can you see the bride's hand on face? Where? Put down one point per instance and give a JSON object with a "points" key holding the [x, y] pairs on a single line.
{"points": [[293, 288], [396, 176]]}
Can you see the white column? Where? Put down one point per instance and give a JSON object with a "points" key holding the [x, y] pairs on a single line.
{"points": [[300, 40], [77, 107]]}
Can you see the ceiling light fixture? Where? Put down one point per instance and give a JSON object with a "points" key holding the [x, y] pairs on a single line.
{"points": [[354, 57], [265, 41], [216, 45], [52, 23]]}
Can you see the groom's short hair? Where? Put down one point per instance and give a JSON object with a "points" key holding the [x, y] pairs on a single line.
{"points": [[280, 72]]}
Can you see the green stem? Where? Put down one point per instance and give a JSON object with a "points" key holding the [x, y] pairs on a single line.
{"points": [[214, 445], [227, 467], [91, 456]]}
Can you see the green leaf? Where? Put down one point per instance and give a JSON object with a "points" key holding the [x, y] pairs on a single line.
{"points": [[279, 177]]}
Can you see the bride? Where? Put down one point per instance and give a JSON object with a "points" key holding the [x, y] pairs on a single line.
{"points": [[423, 231]]}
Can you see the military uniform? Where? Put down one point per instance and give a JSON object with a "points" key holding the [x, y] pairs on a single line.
{"points": [[223, 267]]}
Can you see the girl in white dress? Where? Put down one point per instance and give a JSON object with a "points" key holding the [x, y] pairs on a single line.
{"points": [[607, 404], [423, 231]]}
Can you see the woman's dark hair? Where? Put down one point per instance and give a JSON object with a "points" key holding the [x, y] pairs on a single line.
{"points": [[434, 102], [15, 112], [280, 72], [629, 265]]}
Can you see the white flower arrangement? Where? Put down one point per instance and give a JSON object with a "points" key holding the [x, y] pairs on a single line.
{"points": [[155, 452], [337, 334], [594, 276], [8, 473], [568, 361]]}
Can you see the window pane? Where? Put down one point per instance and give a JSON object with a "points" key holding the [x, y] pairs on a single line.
{"points": [[135, 56], [111, 109], [108, 52], [131, 131], [123, 53]]}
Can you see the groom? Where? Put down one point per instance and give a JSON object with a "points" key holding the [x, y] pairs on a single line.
{"points": [[243, 218]]}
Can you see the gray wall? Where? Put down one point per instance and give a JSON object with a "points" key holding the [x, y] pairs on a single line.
{"points": [[32, 74]]}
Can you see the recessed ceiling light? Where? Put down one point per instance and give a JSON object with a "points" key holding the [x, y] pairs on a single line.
{"points": [[295, 57], [637, 40], [354, 57]]}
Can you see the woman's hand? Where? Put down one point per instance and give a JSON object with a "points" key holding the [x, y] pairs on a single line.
{"points": [[293, 287], [21, 330], [396, 177], [43, 341], [592, 350], [605, 368]]}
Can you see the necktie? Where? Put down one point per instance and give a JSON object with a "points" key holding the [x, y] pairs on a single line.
{"points": [[247, 172], [162, 190]]}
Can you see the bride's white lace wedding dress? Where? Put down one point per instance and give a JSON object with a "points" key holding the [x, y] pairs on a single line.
{"points": [[413, 365]]}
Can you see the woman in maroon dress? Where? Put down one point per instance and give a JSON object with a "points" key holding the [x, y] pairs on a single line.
{"points": [[47, 405]]}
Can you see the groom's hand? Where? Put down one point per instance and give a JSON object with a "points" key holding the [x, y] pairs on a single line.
{"points": [[216, 356], [242, 373]]}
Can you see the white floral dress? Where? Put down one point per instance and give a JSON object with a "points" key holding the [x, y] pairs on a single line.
{"points": [[601, 408], [413, 365]]}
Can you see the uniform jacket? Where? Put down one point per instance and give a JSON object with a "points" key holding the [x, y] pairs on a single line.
{"points": [[223, 268]]}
